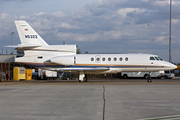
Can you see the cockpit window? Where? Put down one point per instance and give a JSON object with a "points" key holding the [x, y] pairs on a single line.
{"points": [[160, 58], [156, 58], [152, 58]]}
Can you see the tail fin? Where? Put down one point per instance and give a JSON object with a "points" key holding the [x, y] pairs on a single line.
{"points": [[27, 35]]}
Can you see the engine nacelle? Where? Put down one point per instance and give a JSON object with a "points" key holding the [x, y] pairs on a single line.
{"points": [[63, 60]]}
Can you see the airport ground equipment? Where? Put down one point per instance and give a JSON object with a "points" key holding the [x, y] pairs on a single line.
{"points": [[28, 74], [46, 74], [18, 73]]}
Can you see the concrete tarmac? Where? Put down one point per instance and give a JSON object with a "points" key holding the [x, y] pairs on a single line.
{"points": [[94, 100]]}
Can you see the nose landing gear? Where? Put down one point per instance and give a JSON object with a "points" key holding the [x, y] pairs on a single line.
{"points": [[149, 78]]}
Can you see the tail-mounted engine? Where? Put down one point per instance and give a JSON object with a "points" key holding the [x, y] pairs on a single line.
{"points": [[63, 60]]}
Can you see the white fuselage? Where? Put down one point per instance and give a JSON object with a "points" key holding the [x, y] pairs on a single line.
{"points": [[123, 62], [69, 61]]}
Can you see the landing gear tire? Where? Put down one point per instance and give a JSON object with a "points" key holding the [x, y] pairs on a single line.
{"points": [[162, 77], [85, 79], [80, 81], [125, 76], [166, 77], [146, 76]]}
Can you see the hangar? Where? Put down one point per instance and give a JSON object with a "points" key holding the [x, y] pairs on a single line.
{"points": [[6, 66], [7, 63]]}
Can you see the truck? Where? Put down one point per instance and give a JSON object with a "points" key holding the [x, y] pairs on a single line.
{"points": [[159, 74], [65, 76], [169, 74], [42, 74]]}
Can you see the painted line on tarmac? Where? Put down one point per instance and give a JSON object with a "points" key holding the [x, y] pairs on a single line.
{"points": [[163, 118]]}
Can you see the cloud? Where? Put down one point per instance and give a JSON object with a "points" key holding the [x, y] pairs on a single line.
{"points": [[17, 0], [145, 0], [161, 3], [124, 11], [6, 25], [67, 26], [175, 21], [162, 39], [3, 15], [166, 2], [113, 25]]}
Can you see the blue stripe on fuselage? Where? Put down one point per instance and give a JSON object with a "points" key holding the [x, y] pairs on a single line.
{"points": [[89, 66]]}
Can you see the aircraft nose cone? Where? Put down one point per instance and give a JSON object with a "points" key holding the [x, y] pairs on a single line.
{"points": [[169, 66], [173, 66]]}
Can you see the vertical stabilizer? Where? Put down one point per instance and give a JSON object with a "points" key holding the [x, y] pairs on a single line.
{"points": [[28, 35]]}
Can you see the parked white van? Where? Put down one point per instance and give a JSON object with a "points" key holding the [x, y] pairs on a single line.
{"points": [[160, 74], [169, 74]]}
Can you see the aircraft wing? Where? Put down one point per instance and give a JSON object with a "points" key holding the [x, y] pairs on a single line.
{"points": [[80, 69]]}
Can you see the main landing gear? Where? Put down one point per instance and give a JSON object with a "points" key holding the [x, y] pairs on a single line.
{"points": [[82, 77], [149, 78]]}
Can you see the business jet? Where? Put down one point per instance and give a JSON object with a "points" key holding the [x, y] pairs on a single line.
{"points": [[63, 58]]}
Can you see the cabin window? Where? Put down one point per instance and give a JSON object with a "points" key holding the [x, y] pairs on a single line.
{"points": [[103, 59], [40, 57], [115, 58], [152, 58], [92, 59], [120, 59], [97, 59], [126, 58], [109, 59]]}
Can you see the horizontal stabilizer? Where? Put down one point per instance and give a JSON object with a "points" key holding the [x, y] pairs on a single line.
{"points": [[23, 46]]}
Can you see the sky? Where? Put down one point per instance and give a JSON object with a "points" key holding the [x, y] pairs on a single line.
{"points": [[97, 26]]}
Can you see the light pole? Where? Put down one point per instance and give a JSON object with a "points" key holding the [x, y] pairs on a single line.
{"points": [[12, 42], [170, 33]]}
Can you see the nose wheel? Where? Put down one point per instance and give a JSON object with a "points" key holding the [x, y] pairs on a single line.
{"points": [[84, 80]]}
